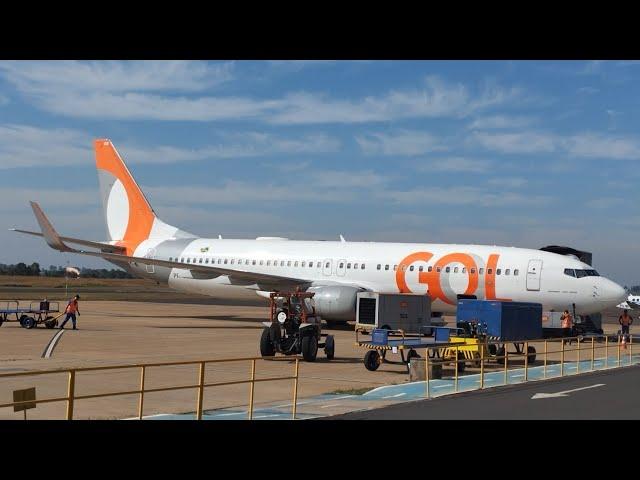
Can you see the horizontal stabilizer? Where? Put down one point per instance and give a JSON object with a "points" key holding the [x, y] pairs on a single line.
{"points": [[105, 247]]}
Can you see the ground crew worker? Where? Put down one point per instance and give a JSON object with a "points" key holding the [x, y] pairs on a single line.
{"points": [[71, 310], [625, 320], [567, 324]]}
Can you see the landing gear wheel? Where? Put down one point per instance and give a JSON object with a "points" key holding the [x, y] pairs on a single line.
{"points": [[329, 347], [412, 354], [266, 346], [372, 360], [500, 353], [28, 322], [50, 322], [531, 351], [309, 348], [492, 349]]}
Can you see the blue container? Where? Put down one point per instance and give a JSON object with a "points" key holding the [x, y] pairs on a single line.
{"points": [[442, 334], [380, 336], [507, 321]]}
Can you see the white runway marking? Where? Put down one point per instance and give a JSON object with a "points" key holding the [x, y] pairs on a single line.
{"points": [[52, 344], [331, 405], [396, 395]]}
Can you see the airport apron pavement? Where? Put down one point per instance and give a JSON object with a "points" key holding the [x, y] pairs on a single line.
{"points": [[611, 394]]}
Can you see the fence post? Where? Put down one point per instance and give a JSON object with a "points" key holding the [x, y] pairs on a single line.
{"points": [[71, 388], [506, 364], [578, 364], [619, 346], [630, 348], [456, 372], [544, 369], [141, 400], [562, 359], [252, 387], [482, 368], [295, 390], [526, 361], [200, 391], [427, 373], [606, 352], [593, 351]]}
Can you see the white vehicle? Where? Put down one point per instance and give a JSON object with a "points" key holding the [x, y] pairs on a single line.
{"points": [[632, 303], [335, 270]]}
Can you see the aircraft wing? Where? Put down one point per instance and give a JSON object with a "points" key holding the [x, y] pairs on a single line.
{"points": [[57, 242], [629, 305]]}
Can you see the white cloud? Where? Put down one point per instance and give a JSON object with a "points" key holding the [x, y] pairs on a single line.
{"points": [[501, 122], [130, 90], [597, 145], [604, 203], [73, 77], [26, 146], [455, 164], [4, 100], [508, 182], [15, 199], [588, 90], [525, 142], [403, 142]]}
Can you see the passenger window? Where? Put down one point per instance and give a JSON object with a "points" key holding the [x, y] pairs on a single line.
{"points": [[200, 261], [268, 263], [438, 269], [420, 268], [295, 264], [481, 271], [455, 270], [289, 263], [395, 267], [261, 262], [232, 261], [386, 267], [507, 272], [404, 268], [498, 271], [515, 272], [411, 268], [327, 265], [310, 264], [225, 261], [473, 270], [355, 266], [348, 265], [362, 267], [341, 265], [464, 269], [489, 271], [378, 267], [430, 269], [303, 264], [448, 269], [206, 260]]}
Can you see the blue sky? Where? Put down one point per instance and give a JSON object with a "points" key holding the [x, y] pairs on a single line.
{"points": [[516, 153]]}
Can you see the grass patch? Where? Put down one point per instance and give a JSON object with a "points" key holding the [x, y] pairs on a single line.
{"points": [[350, 391]]}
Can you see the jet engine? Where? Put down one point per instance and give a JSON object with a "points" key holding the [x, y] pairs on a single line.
{"points": [[335, 303]]}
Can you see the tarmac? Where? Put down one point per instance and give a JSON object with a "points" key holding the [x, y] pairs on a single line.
{"points": [[121, 332]]}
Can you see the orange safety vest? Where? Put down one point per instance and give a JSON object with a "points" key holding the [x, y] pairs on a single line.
{"points": [[625, 321], [72, 306], [566, 321]]}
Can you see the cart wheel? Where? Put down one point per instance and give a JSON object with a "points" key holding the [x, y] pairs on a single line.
{"points": [[50, 322], [412, 354], [531, 354], [309, 348], [492, 349], [28, 322], [329, 347], [372, 360], [266, 346]]}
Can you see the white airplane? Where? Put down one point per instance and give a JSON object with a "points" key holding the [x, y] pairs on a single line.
{"points": [[632, 303], [335, 270]]}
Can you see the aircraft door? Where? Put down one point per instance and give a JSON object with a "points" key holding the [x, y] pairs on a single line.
{"points": [[533, 274], [341, 267], [151, 253], [326, 266]]}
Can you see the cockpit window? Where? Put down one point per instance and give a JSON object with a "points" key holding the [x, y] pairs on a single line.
{"points": [[580, 273], [570, 272]]}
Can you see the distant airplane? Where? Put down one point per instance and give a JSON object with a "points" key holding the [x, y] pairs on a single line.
{"points": [[632, 303], [336, 271]]}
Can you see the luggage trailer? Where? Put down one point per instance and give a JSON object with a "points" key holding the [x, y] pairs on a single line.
{"points": [[37, 313]]}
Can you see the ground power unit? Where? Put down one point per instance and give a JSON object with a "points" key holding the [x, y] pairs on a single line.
{"points": [[394, 311]]}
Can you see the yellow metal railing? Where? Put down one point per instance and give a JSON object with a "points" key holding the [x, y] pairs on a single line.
{"points": [[200, 386], [456, 359]]}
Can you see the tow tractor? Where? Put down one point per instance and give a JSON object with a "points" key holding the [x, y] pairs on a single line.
{"points": [[294, 327]]}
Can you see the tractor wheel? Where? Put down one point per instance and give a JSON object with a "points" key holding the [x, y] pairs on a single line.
{"points": [[330, 347], [309, 348], [266, 346], [50, 322]]}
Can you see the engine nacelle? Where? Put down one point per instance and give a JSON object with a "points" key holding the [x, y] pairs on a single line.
{"points": [[335, 302]]}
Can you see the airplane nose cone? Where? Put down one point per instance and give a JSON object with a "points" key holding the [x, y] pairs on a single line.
{"points": [[612, 293]]}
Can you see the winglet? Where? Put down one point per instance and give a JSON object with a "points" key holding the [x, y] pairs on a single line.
{"points": [[50, 234], [342, 239]]}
